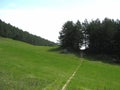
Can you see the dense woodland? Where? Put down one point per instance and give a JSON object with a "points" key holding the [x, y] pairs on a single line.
{"points": [[98, 37], [9, 31]]}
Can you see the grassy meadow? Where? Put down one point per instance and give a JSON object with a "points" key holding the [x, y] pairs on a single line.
{"points": [[27, 67], [94, 75]]}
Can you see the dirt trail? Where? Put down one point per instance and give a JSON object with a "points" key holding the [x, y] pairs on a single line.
{"points": [[70, 78]]}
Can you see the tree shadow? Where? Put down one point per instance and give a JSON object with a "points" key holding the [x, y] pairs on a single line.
{"points": [[91, 57], [56, 49], [103, 58], [61, 50]]}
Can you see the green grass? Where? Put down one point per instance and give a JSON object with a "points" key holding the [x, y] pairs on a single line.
{"points": [[94, 75], [27, 67]]}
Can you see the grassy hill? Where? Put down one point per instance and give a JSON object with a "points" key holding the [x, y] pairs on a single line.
{"points": [[9, 31], [27, 67]]}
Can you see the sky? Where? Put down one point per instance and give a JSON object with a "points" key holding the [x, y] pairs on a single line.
{"points": [[45, 18]]}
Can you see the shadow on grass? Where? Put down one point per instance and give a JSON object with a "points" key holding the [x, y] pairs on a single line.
{"points": [[103, 58], [91, 57], [56, 49], [63, 51]]}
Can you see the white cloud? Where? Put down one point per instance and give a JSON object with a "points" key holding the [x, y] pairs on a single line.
{"points": [[47, 22], [43, 22]]}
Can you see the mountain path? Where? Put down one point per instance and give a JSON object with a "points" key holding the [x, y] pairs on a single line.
{"points": [[70, 78]]}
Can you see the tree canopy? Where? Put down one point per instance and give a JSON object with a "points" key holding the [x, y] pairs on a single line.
{"points": [[71, 36], [98, 37]]}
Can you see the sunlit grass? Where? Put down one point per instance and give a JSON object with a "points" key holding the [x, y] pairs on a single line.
{"points": [[27, 67], [94, 75]]}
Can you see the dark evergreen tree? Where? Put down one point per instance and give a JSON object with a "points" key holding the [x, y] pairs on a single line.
{"points": [[71, 36], [85, 33], [95, 34]]}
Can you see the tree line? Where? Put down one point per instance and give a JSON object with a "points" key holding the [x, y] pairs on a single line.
{"points": [[98, 37], [9, 31]]}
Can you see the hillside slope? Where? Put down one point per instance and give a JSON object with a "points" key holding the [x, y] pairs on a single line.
{"points": [[10, 31], [27, 67]]}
